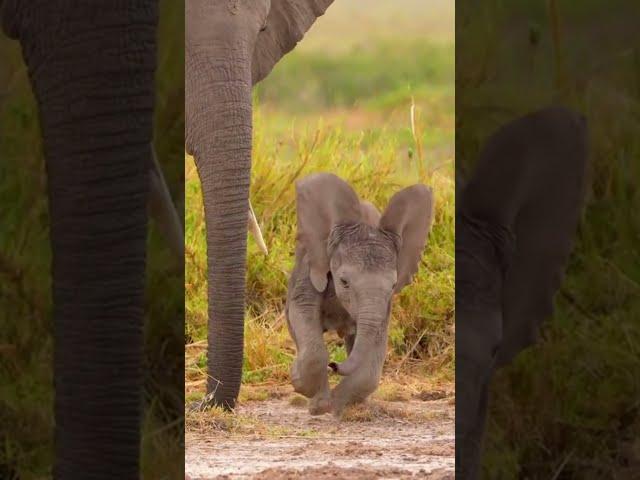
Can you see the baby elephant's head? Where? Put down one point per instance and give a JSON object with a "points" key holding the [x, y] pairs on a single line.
{"points": [[368, 256]]}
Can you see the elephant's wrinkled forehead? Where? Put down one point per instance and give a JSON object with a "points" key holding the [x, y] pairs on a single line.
{"points": [[367, 247]]}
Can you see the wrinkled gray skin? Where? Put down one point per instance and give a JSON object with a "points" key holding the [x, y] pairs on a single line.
{"points": [[515, 226], [231, 45], [350, 261], [92, 69]]}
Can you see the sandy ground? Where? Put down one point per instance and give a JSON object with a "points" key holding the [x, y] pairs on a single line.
{"points": [[381, 440]]}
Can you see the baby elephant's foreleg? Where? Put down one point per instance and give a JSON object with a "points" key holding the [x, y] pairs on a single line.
{"points": [[357, 386], [309, 370]]}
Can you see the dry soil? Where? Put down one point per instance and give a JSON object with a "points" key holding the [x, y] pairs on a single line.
{"points": [[411, 439]]}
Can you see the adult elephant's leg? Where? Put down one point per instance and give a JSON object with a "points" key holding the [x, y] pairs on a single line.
{"points": [[219, 45], [92, 70]]}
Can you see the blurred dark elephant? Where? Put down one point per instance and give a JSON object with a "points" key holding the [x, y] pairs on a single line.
{"points": [[230, 46], [516, 221], [91, 66]]}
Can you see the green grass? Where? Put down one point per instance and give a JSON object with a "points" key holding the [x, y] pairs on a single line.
{"points": [[569, 405], [342, 110], [309, 81], [26, 394]]}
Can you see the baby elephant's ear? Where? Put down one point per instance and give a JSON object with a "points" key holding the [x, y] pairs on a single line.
{"points": [[323, 201], [409, 215]]}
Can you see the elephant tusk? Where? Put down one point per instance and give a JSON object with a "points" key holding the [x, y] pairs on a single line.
{"points": [[254, 227], [163, 210]]}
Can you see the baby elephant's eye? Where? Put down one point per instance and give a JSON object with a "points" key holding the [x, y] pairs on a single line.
{"points": [[344, 283]]}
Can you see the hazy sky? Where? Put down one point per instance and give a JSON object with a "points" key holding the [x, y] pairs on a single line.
{"points": [[349, 22]]}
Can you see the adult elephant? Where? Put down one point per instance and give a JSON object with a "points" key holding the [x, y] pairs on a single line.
{"points": [[230, 46], [92, 70], [516, 221]]}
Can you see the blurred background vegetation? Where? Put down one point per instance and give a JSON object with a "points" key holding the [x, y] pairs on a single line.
{"points": [[342, 102], [26, 393], [569, 406]]}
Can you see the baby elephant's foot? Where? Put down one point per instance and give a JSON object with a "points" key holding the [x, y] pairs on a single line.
{"points": [[338, 407], [351, 390], [320, 405]]}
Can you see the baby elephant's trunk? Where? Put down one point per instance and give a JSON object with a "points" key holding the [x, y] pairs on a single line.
{"points": [[369, 347], [347, 367]]}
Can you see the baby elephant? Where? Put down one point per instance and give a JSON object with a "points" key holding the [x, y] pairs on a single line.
{"points": [[350, 260]]}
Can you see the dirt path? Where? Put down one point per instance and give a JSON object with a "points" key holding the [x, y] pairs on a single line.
{"points": [[381, 440]]}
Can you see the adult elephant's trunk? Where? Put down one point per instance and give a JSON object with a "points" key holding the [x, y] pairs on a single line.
{"points": [[218, 102], [474, 369], [92, 72], [369, 347], [479, 269]]}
